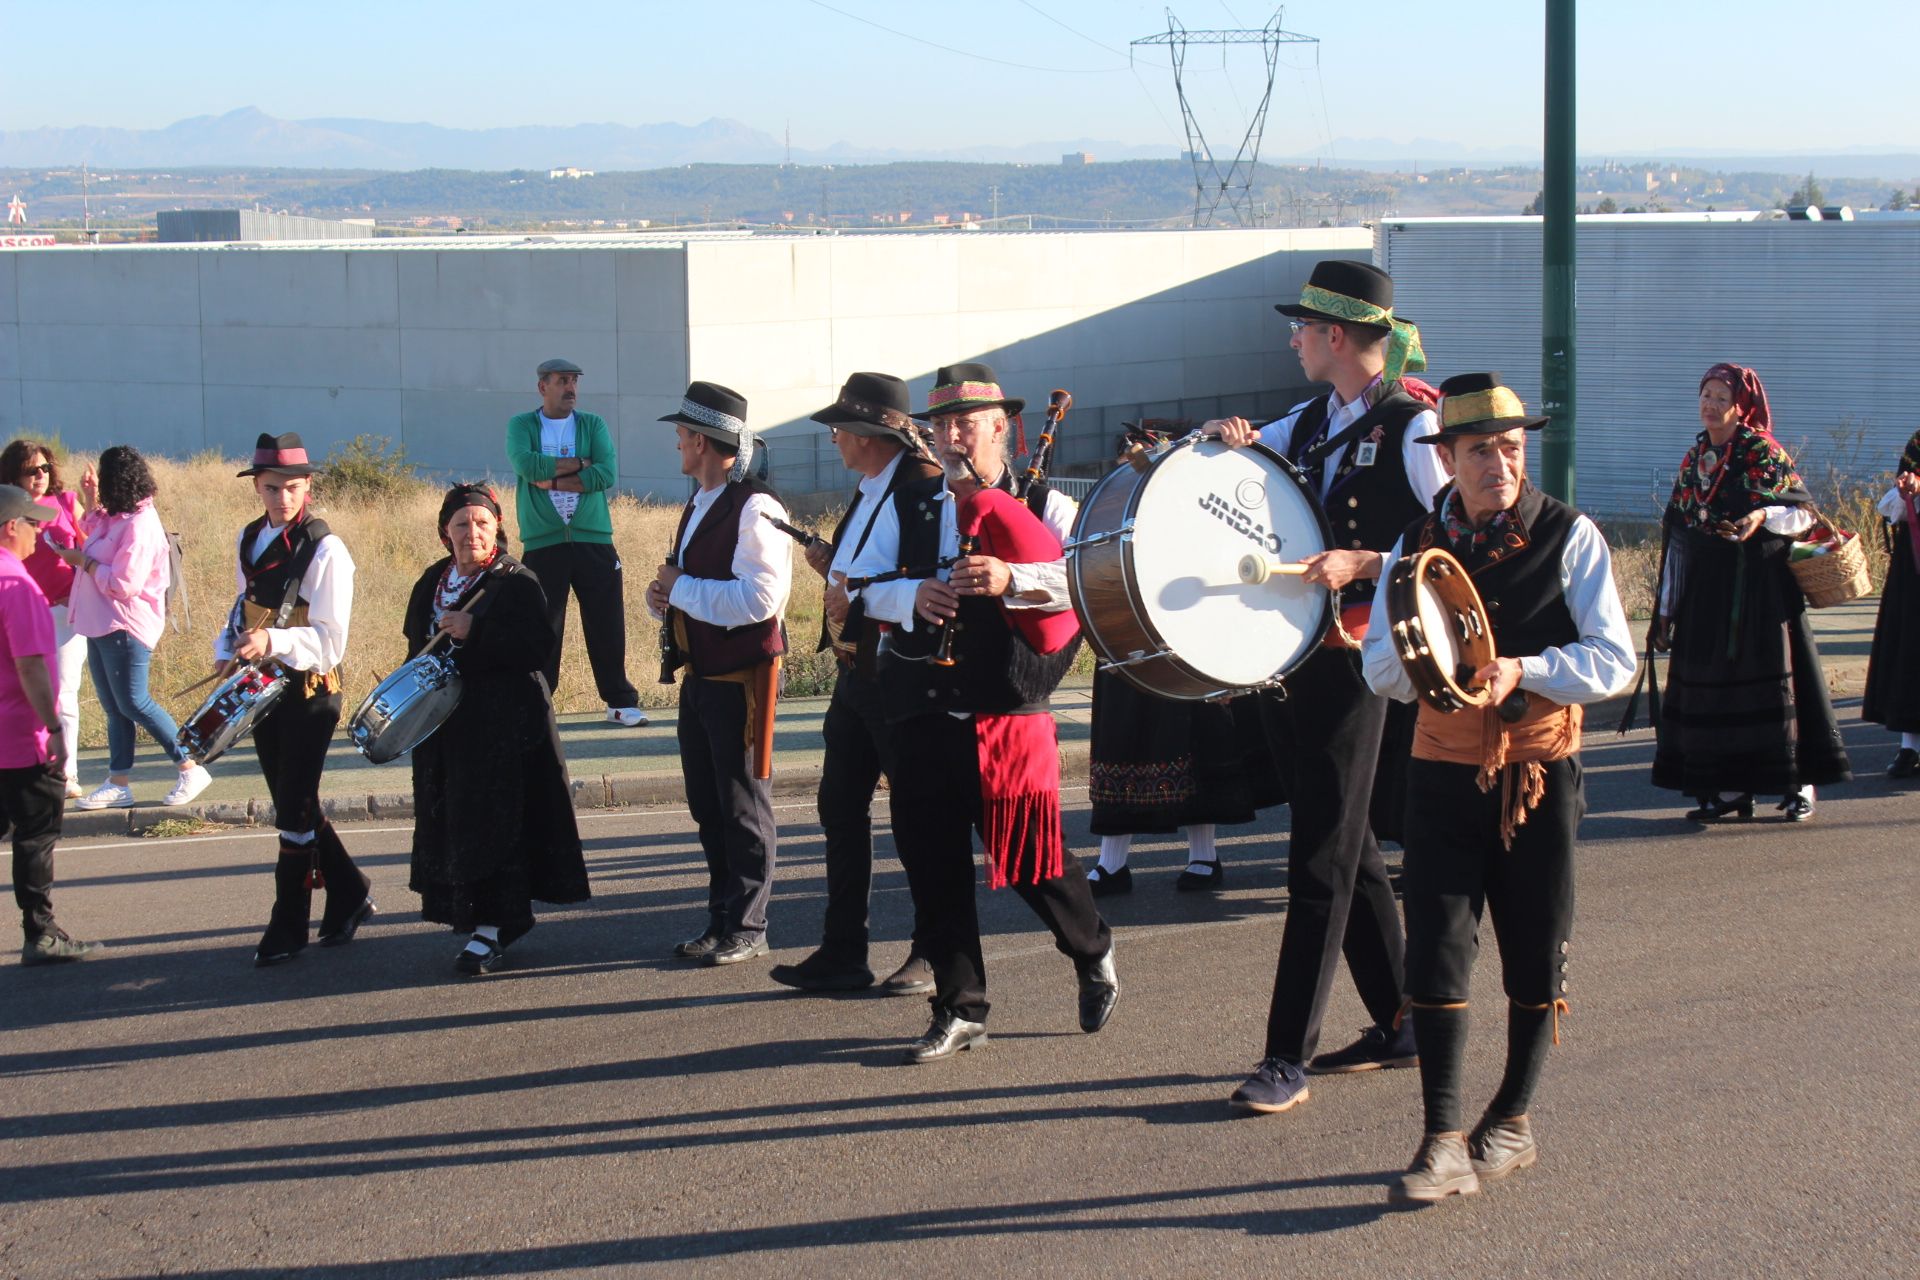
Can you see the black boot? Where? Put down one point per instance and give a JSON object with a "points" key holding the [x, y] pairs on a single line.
{"points": [[286, 934], [348, 900]]}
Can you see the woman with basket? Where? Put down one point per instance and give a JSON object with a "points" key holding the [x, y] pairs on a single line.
{"points": [[1746, 708], [1893, 678]]}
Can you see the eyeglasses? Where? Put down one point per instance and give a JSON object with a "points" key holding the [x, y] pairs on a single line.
{"points": [[38, 469], [1298, 325]]}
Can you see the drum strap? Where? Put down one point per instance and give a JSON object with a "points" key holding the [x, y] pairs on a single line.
{"points": [[1366, 422]]}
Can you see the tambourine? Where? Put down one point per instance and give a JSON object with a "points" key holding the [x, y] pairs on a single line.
{"points": [[1440, 629]]}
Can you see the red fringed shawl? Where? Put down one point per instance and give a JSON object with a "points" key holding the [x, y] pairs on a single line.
{"points": [[1020, 799]]}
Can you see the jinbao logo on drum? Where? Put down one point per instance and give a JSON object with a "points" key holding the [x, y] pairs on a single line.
{"points": [[1251, 493]]}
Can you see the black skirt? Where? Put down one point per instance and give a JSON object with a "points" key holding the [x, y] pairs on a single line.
{"points": [[1746, 706], [1893, 672], [1158, 765]]}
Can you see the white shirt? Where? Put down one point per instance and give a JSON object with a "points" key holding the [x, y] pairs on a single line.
{"points": [[762, 567], [557, 437], [328, 587], [1893, 507], [1600, 663], [873, 496], [1426, 475], [893, 601]]}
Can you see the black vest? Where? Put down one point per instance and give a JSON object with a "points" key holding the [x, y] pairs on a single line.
{"points": [[714, 650], [1518, 576], [995, 671], [913, 475], [269, 576], [1366, 507]]}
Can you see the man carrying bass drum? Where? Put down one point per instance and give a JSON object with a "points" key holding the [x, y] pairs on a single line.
{"points": [[288, 544], [1358, 447]]}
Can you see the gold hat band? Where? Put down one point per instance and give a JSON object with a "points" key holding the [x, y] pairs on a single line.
{"points": [[1480, 406]]}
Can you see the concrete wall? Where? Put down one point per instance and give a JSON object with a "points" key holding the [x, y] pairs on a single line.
{"points": [[184, 348]]}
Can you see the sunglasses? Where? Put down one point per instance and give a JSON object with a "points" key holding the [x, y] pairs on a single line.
{"points": [[38, 469]]}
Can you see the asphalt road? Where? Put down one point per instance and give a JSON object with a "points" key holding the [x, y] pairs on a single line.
{"points": [[1735, 1094]]}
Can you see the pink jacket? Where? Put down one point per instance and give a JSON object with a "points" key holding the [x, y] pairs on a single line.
{"points": [[127, 590]]}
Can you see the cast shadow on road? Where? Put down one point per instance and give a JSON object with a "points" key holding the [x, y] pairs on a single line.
{"points": [[407, 1155], [1146, 1211]]}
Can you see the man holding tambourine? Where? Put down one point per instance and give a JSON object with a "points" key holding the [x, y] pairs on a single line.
{"points": [[1494, 792]]}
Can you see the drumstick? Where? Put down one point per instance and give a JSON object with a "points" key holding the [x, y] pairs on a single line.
{"points": [[433, 642], [1255, 569], [221, 672]]}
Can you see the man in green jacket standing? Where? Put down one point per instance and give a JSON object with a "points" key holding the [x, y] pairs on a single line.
{"points": [[565, 463]]}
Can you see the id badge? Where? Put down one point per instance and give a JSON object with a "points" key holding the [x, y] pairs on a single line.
{"points": [[1364, 455]]}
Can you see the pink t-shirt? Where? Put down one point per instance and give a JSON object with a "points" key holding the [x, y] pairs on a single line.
{"points": [[127, 590], [55, 575], [26, 627]]}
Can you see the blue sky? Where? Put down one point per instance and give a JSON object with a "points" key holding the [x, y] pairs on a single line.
{"points": [[1654, 76]]}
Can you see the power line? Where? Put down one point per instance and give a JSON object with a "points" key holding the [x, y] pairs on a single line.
{"points": [[967, 53], [1064, 27]]}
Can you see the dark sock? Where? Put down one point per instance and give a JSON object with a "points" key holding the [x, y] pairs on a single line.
{"points": [[1529, 1034], [1441, 1035]]}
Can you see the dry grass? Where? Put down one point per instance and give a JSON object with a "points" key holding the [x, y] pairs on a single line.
{"points": [[392, 541]]}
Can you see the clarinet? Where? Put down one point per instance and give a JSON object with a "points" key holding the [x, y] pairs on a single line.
{"points": [[969, 543], [1057, 405], [669, 649]]}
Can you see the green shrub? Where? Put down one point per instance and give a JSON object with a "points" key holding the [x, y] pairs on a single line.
{"points": [[367, 466]]}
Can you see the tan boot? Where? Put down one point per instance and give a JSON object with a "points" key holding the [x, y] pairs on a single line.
{"points": [[1441, 1168], [1500, 1146]]}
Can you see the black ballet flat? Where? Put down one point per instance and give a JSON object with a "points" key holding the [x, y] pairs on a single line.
{"points": [[1714, 808], [471, 964], [1107, 884], [1905, 765]]}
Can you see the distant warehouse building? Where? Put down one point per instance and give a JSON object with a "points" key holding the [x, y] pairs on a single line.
{"points": [[1827, 312], [203, 226], [433, 342]]}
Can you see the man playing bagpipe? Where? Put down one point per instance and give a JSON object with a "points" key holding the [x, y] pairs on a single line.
{"points": [[977, 643]]}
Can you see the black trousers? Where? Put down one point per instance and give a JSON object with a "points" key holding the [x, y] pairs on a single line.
{"points": [[732, 809], [1455, 866], [936, 798], [1326, 742], [31, 801], [292, 743], [859, 748], [591, 570]]}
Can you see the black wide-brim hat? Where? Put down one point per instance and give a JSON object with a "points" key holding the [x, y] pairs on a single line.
{"points": [[283, 453], [872, 404], [962, 388], [712, 410], [1479, 404], [1345, 290]]}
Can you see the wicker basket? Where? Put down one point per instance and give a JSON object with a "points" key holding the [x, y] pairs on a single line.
{"points": [[1836, 577]]}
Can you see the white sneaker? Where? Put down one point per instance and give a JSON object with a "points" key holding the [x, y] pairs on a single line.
{"points": [[193, 780], [630, 717], [73, 789], [108, 795]]}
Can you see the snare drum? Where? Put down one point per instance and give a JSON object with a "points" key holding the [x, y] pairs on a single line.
{"points": [[1440, 628], [1154, 570], [231, 711], [404, 709]]}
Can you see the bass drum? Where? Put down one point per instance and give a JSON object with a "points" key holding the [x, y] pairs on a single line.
{"points": [[231, 711], [1156, 575], [404, 709]]}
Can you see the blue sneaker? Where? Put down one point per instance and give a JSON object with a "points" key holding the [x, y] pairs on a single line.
{"points": [[1275, 1085]]}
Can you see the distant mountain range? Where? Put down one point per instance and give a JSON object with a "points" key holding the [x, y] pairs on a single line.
{"points": [[249, 137]]}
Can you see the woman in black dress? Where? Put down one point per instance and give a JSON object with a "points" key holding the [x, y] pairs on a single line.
{"points": [[1746, 708], [494, 826], [1893, 672]]}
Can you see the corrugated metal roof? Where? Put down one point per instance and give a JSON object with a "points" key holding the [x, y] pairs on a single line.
{"points": [[1827, 313]]}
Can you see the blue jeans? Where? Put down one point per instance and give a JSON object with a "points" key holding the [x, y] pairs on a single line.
{"points": [[119, 666]]}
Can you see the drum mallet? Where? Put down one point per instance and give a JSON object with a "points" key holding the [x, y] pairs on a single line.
{"points": [[1256, 569]]}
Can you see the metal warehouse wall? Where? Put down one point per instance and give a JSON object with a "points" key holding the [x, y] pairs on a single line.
{"points": [[1828, 313]]}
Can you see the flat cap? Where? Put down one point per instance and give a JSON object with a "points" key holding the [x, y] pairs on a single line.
{"points": [[17, 504], [558, 366]]}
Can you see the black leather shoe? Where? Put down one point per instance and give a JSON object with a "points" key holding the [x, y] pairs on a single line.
{"points": [[1211, 880], [698, 948], [1109, 884], [1500, 1147], [1099, 992], [344, 934], [914, 978], [1905, 765], [823, 972], [470, 963], [1376, 1048], [736, 947], [948, 1035], [1714, 808], [1797, 807]]}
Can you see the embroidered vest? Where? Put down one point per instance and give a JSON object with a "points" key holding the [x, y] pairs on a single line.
{"points": [[1517, 574], [712, 650], [1366, 507]]}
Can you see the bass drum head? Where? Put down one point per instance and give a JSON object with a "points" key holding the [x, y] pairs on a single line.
{"points": [[1201, 509]]}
